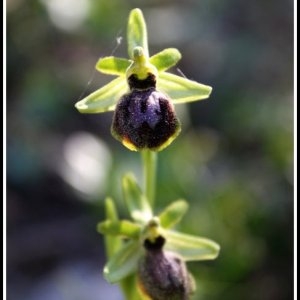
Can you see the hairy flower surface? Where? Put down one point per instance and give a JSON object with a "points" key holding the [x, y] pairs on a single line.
{"points": [[163, 274], [145, 119]]}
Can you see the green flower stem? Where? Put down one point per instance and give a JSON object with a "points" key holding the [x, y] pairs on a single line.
{"points": [[149, 163]]}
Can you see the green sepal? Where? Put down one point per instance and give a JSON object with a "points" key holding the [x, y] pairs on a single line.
{"points": [[112, 243], [190, 247], [105, 98], [111, 210], [180, 89], [113, 65], [128, 285], [165, 59], [173, 213], [123, 263], [123, 228], [137, 32], [135, 200]]}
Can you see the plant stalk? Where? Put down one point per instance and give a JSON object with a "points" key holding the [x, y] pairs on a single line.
{"points": [[149, 168]]}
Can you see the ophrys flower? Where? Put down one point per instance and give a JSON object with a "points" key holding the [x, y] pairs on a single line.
{"points": [[143, 95], [134, 245]]}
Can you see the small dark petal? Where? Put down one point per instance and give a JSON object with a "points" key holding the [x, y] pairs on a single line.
{"points": [[135, 83], [163, 275], [145, 119], [156, 245]]}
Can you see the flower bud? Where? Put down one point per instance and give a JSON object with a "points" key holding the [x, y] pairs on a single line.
{"points": [[163, 275]]}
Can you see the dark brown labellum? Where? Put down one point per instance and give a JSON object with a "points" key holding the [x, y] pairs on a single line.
{"points": [[145, 119], [163, 275]]}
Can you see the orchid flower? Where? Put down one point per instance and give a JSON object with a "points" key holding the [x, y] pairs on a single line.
{"points": [[127, 240], [143, 94]]}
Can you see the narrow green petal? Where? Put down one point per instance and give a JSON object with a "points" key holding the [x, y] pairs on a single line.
{"points": [[191, 247], [105, 98], [112, 243], [113, 65], [165, 59], [173, 213], [181, 89], [137, 32], [123, 228], [136, 201], [123, 263]]}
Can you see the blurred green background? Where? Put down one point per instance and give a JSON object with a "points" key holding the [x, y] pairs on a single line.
{"points": [[233, 161]]}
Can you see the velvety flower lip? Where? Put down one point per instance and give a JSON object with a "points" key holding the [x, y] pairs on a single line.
{"points": [[163, 274], [141, 72], [145, 119]]}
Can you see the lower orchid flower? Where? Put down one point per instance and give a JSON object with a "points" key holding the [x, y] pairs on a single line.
{"points": [[149, 248]]}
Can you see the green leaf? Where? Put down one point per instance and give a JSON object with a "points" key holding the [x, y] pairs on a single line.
{"points": [[123, 263], [165, 59], [137, 32], [123, 228], [105, 98], [191, 247], [112, 243], [181, 89], [136, 201], [113, 65], [173, 213]]}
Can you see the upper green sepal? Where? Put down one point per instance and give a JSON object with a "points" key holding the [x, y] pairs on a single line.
{"points": [[137, 32]]}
